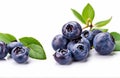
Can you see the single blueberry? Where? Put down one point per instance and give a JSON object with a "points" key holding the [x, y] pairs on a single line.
{"points": [[63, 56], [85, 42], [95, 32], [88, 35], [80, 52], [79, 40], [20, 54], [59, 41], [71, 30], [104, 43], [12, 45], [3, 50]]}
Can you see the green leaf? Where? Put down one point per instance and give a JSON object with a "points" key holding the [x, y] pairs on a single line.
{"points": [[115, 35], [36, 49], [117, 45], [29, 40], [103, 23], [78, 16], [88, 12], [37, 52], [101, 29], [10, 37], [7, 38]]}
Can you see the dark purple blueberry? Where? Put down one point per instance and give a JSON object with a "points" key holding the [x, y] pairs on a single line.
{"points": [[80, 52], [72, 30], [63, 56], [12, 45], [3, 50], [79, 40], [20, 54], [90, 35], [104, 43], [95, 32], [85, 42], [59, 42], [70, 45]]}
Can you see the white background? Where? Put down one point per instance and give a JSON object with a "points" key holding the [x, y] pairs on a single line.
{"points": [[43, 19]]}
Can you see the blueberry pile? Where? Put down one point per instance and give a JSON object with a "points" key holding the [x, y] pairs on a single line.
{"points": [[16, 50], [74, 44]]}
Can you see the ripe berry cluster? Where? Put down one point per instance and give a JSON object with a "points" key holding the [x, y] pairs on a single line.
{"points": [[16, 50], [74, 44]]}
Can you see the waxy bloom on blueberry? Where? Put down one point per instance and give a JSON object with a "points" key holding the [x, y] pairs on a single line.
{"points": [[63, 56], [20, 54], [78, 40], [72, 30], [80, 52], [90, 35], [104, 43], [12, 45], [59, 42]]}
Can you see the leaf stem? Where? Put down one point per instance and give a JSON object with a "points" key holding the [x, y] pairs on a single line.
{"points": [[88, 24], [91, 26]]}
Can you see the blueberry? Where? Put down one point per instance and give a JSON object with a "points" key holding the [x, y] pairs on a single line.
{"points": [[3, 50], [90, 35], [104, 43], [20, 54], [95, 32], [85, 42], [72, 30], [87, 34], [79, 40], [63, 56], [12, 45], [59, 41], [80, 52], [70, 45]]}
